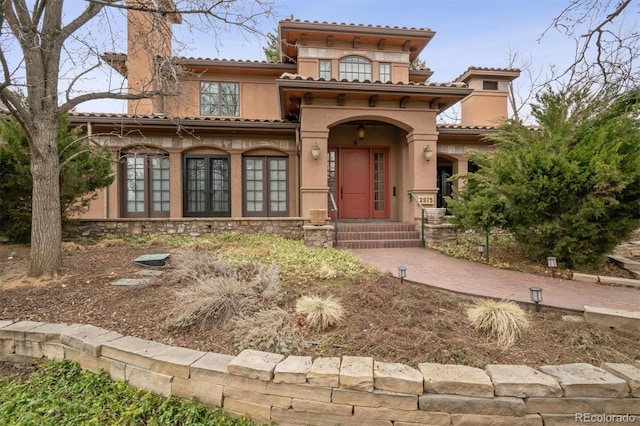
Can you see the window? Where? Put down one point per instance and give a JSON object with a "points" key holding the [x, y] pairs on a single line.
{"points": [[265, 186], [219, 98], [385, 72], [489, 85], [146, 185], [379, 180], [354, 68], [207, 186], [325, 69]]}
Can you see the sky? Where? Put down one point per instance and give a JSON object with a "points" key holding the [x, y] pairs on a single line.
{"points": [[479, 33]]}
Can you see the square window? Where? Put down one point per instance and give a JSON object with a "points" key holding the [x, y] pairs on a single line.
{"points": [[217, 98]]}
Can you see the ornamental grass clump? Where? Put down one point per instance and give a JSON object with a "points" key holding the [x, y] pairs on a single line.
{"points": [[320, 313], [270, 330], [216, 291], [500, 319]]}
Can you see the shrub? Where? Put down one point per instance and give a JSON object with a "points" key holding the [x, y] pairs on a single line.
{"points": [[83, 169], [61, 393], [321, 313], [218, 291], [569, 189], [503, 320], [214, 298], [271, 330]]}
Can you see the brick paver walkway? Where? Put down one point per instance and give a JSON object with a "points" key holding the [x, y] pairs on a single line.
{"points": [[441, 271]]}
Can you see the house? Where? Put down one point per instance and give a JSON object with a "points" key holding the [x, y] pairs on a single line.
{"points": [[343, 123]]}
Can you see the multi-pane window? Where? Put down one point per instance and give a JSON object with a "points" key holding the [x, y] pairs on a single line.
{"points": [[385, 72], [325, 69], [218, 98], [332, 162], [379, 189], [146, 185], [354, 68], [207, 186], [265, 186]]}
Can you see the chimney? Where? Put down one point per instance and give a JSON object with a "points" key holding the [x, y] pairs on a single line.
{"points": [[149, 35], [487, 105]]}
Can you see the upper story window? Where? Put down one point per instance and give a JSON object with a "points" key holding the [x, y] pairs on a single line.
{"points": [[385, 72], [218, 98], [325, 69], [354, 68], [489, 85]]}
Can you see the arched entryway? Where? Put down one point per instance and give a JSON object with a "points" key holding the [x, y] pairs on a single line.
{"points": [[364, 166]]}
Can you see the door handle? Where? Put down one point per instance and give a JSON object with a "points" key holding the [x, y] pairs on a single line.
{"points": [[341, 192]]}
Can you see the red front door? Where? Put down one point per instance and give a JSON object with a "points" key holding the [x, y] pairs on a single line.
{"points": [[361, 184], [355, 182]]}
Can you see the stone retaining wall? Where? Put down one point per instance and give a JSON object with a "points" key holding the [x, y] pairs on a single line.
{"points": [[188, 227], [292, 228], [299, 390]]}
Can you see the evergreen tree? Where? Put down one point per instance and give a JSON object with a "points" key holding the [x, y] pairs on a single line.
{"points": [[570, 188], [272, 49], [83, 170], [418, 64], [477, 207]]}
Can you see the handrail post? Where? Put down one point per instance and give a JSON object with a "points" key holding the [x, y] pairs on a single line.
{"points": [[412, 197], [424, 244], [334, 208]]}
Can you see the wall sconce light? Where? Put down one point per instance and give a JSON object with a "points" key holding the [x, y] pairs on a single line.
{"points": [[536, 296], [402, 272], [428, 153], [553, 264], [315, 152], [361, 132]]}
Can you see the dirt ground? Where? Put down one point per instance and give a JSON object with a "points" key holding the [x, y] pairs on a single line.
{"points": [[406, 323]]}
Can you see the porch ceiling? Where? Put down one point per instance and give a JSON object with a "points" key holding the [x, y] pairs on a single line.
{"points": [[298, 90]]}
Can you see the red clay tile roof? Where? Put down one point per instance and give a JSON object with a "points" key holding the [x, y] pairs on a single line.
{"points": [[352, 25], [289, 76], [111, 119], [489, 70]]}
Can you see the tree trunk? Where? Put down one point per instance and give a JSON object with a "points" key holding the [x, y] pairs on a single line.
{"points": [[46, 223]]}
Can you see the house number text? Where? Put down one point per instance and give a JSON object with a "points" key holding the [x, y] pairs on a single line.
{"points": [[427, 200]]}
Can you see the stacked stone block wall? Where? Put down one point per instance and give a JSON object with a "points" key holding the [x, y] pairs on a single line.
{"points": [[352, 390]]}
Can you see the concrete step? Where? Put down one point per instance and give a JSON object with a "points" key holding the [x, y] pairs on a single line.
{"points": [[625, 263]]}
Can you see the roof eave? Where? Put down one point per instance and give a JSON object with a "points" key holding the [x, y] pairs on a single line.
{"points": [[174, 123]]}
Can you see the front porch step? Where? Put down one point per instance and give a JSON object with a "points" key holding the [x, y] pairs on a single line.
{"points": [[377, 235]]}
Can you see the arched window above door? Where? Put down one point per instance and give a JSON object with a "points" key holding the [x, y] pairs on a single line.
{"points": [[354, 68]]}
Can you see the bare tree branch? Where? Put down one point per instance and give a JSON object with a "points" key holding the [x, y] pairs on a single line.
{"points": [[607, 43]]}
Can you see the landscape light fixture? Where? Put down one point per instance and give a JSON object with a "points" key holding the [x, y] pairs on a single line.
{"points": [[402, 272], [428, 153], [361, 132], [481, 249], [553, 264], [315, 152], [536, 296]]}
